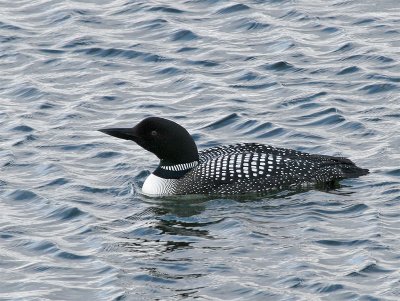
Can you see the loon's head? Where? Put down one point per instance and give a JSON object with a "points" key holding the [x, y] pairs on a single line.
{"points": [[169, 141]]}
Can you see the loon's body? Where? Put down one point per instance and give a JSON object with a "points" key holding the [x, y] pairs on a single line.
{"points": [[232, 169]]}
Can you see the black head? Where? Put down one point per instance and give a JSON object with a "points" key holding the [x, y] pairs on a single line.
{"points": [[170, 142]]}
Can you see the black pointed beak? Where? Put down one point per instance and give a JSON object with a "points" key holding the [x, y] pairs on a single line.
{"points": [[122, 133]]}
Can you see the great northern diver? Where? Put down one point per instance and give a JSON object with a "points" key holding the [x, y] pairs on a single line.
{"points": [[232, 169]]}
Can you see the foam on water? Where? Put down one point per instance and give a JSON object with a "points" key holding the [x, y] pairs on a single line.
{"points": [[316, 76]]}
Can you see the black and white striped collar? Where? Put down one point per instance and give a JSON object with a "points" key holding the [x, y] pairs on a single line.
{"points": [[180, 167], [174, 171]]}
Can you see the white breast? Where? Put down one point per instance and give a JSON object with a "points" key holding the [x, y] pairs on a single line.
{"points": [[154, 186]]}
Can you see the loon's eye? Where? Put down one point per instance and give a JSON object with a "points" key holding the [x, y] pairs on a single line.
{"points": [[154, 133]]}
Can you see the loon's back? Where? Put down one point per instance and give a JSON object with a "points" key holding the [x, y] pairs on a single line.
{"points": [[252, 167]]}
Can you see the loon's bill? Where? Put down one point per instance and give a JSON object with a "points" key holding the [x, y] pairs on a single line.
{"points": [[227, 170]]}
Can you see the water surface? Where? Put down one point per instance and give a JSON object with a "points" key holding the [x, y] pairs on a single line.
{"points": [[316, 76]]}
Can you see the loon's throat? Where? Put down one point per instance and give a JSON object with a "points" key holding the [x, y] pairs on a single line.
{"points": [[174, 171], [179, 167]]}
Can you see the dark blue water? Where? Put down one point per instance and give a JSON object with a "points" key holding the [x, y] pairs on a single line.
{"points": [[313, 75]]}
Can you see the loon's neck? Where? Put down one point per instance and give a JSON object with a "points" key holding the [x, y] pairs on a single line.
{"points": [[174, 171], [164, 179]]}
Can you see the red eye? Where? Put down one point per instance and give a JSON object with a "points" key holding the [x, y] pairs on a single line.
{"points": [[154, 133]]}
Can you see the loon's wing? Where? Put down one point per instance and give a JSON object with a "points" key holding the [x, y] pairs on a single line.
{"points": [[255, 167], [240, 162], [240, 148]]}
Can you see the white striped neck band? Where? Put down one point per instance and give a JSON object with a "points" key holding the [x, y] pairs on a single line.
{"points": [[180, 167]]}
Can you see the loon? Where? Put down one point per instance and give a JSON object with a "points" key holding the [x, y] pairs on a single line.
{"points": [[226, 170]]}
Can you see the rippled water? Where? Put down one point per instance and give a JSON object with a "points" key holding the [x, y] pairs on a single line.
{"points": [[313, 75]]}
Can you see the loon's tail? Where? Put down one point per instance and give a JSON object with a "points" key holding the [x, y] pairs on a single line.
{"points": [[348, 168], [353, 171]]}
